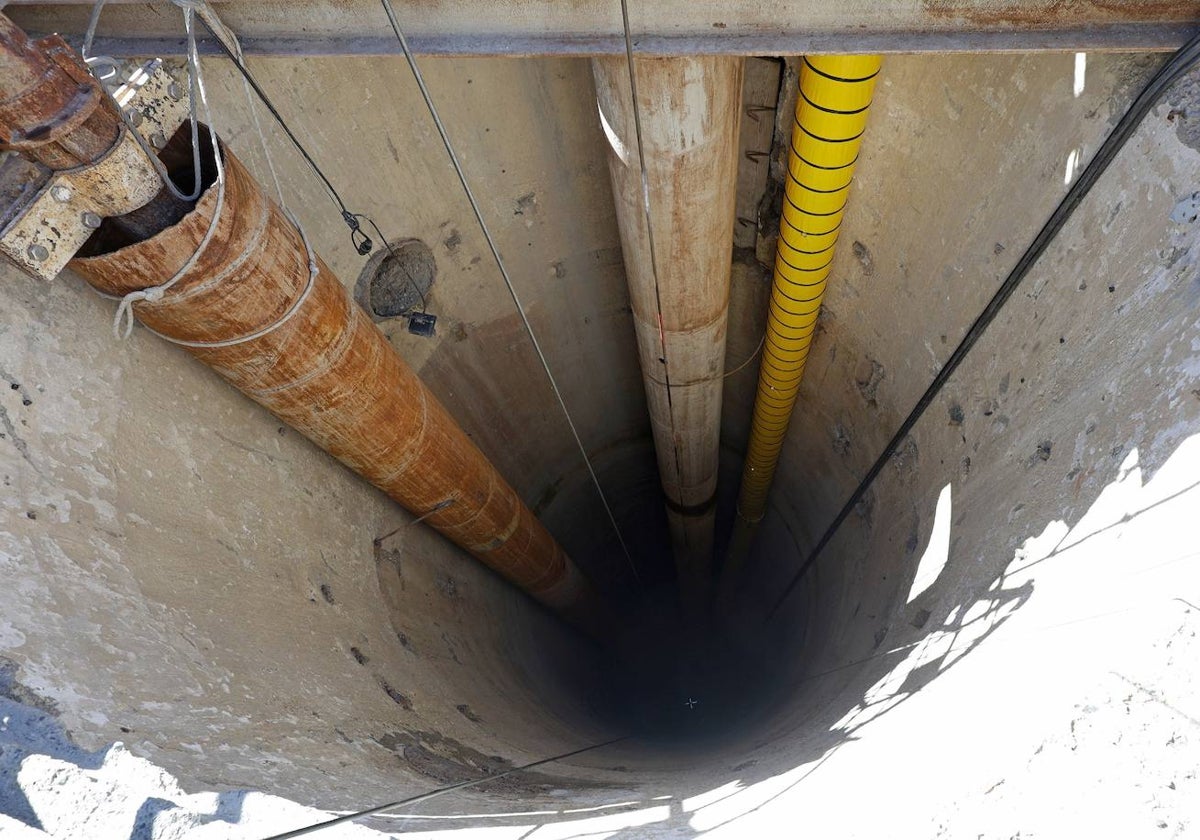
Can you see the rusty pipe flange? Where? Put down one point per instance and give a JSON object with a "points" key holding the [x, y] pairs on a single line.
{"points": [[63, 120]]}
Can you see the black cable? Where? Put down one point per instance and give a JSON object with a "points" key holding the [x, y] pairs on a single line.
{"points": [[278, 118], [1171, 70], [362, 243], [412, 800], [412, 282]]}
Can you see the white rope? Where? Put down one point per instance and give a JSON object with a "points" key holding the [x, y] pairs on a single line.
{"points": [[253, 102], [124, 316], [123, 320], [313, 270], [224, 33]]}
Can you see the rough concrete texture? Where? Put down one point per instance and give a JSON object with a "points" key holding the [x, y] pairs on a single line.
{"points": [[195, 577]]}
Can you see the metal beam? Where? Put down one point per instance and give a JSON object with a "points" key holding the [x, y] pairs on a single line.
{"points": [[665, 27]]}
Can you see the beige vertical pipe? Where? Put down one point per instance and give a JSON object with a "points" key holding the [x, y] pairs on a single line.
{"points": [[690, 109]]}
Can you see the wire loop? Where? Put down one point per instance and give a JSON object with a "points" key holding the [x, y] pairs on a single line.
{"points": [[123, 320], [361, 242]]}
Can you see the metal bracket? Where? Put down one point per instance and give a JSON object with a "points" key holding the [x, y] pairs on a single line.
{"points": [[68, 206], [155, 102]]}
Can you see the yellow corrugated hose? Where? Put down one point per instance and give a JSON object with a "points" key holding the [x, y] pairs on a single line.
{"points": [[831, 114]]}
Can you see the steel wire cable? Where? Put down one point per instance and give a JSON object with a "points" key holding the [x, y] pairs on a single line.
{"points": [[361, 242], [422, 797], [645, 184], [487, 235]]}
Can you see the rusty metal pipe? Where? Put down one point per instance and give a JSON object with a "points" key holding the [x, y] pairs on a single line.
{"points": [[327, 372], [330, 373], [20, 66]]}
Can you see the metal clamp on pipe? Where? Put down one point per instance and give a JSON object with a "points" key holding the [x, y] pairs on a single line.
{"points": [[55, 211]]}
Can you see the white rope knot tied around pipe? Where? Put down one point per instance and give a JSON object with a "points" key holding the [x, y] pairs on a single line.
{"points": [[124, 317], [123, 320], [313, 269]]}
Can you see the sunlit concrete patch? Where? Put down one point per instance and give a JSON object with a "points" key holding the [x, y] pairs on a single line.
{"points": [[1107, 632], [554, 825], [938, 551], [731, 813]]}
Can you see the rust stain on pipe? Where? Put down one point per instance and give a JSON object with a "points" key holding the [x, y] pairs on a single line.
{"points": [[54, 113], [329, 373]]}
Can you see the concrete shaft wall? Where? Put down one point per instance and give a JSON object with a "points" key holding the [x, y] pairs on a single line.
{"points": [[185, 577]]}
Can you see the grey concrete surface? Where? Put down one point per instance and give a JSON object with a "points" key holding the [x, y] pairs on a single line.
{"points": [[666, 27], [182, 577]]}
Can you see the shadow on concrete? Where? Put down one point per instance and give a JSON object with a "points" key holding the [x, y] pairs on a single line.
{"points": [[841, 700], [29, 727]]}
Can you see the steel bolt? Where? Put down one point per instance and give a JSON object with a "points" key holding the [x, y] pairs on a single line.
{"points": [[90, 220], [135, 117], [157, 140], [38, 253], [174, 92], [61, 193]]}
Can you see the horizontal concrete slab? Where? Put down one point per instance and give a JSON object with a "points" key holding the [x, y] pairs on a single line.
{"points": [[676, 27]]}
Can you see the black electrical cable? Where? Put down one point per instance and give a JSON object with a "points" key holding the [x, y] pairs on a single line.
{"points": [[412, 282], [1172, 69], [278, 118], [362, 243], [412, 800]]}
